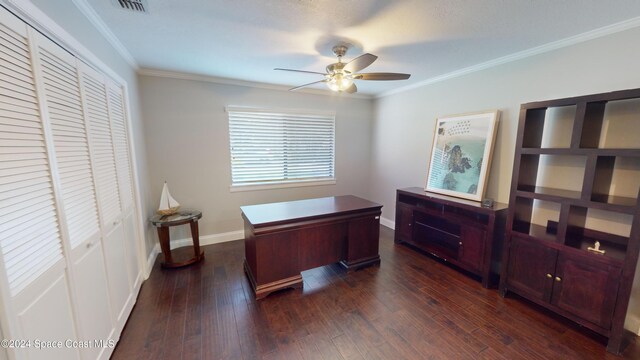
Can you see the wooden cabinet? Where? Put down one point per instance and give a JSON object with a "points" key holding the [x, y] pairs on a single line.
{"points": [[585, 288], [529, 264], [574, 285], [573, 229], [459, 231]]}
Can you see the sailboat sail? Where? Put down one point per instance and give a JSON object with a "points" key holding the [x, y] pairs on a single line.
{"points": [[168, 205]]}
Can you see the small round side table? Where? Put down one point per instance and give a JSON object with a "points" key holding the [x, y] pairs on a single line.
{"points": [[164, 222]]}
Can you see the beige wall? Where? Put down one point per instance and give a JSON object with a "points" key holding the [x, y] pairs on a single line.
{"points": [[404, 122], [188, 146], [66, 14]]}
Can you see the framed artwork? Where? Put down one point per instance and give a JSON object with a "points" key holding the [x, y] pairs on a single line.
{"points": [[461, 154]]}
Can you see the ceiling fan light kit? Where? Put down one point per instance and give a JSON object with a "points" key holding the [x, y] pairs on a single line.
{"points": [[340, 76]]}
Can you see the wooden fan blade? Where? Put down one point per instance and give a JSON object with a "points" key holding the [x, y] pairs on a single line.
{"points": [[301, 86], [301, 71], [360, 63], [381, 76], [351, 89]]}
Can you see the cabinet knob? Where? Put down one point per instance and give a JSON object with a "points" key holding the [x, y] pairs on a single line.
{"points": [[549, 276], [460, 243], [558, 278]]}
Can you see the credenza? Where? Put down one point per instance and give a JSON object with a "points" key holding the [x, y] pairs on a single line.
{"points": [[458, 231]]}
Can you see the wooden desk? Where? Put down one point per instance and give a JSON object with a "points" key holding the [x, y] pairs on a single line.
{"points": [[283, 239], [163, 223]]}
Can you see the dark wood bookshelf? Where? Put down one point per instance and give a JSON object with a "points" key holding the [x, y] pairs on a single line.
{"points": [[551, 264]]}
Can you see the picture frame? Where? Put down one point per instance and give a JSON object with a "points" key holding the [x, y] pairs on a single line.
{"points": [[461, 154]]}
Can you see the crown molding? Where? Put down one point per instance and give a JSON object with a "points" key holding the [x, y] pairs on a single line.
{"points": [[572, 40], [103, 29], [252, 84]]}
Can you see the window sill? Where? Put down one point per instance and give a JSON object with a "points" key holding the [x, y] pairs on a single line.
{"points": [[282, 185]]}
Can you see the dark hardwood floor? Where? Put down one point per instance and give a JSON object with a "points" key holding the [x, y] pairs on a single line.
{"points": [[412, 307]]}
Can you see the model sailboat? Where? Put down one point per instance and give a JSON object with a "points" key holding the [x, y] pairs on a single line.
{"points": [[168, 205]]}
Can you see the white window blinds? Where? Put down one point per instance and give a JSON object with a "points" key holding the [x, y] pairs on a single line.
{"points": [[269, 147]]}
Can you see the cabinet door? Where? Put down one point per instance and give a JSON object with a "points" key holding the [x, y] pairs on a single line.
{"points": [[471, 250], [404, 220], [363, 235], [586, 288], [531, 268]]}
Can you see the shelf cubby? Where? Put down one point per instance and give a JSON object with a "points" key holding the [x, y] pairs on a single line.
{"points": [[559, 175], [586, 240], [536, 218], [616, 181], [615, 129], [549, 127], [558, 125]]}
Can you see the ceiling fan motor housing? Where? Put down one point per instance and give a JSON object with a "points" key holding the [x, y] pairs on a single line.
{"points": [[336, 68]]}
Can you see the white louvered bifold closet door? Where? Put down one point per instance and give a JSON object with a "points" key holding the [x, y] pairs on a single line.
{"points": [[31, 240], [120, 144], [104, 161], [61, 92], [118, 116], [30, 237], [97, 113], [64, 105]]}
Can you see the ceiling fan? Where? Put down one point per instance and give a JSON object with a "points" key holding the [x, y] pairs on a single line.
{"points": [[340, 76]]}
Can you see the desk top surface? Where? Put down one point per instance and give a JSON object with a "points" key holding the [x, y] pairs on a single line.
{"points": [[291, 211]]}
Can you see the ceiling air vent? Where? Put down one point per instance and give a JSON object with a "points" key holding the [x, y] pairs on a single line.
{"points": [[132, 5]]}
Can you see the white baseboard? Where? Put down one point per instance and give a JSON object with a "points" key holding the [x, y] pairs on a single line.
{"points": [[388, 223], [209, 239], [151, 260], [204, 240]]}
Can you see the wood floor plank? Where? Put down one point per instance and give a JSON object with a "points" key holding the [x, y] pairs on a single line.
{"points": [[410, 307]]}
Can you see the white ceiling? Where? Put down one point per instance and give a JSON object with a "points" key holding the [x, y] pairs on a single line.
{"points": [[246, 39]]}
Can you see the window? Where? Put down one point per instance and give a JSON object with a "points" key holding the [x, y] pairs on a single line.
{"points": [[281, 147]]}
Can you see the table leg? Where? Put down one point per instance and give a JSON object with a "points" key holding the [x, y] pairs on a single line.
{"points": [[195, 235], [163, 236]]}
